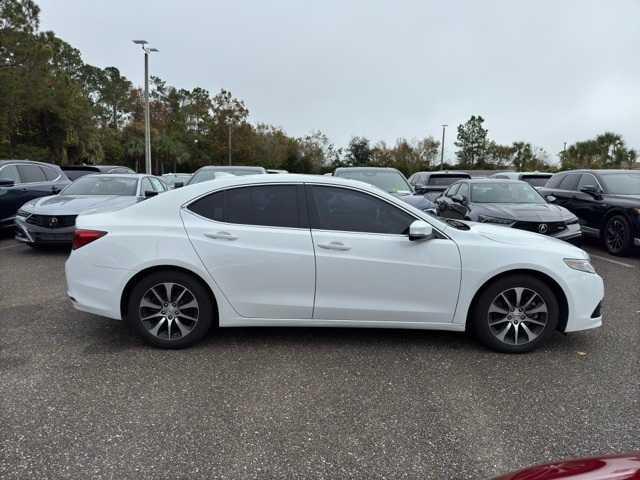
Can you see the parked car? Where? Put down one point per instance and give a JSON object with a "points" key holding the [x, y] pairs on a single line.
{"points": [[432, 184], [176, 180], [390, 180], [23, 180], [74, 172], [606, 202], [535, 179], [611, 467], [275, 170], [511, 203], [211, 172], [51, 220], [307, 250]]}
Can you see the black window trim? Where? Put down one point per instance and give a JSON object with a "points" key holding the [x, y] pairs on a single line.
{"points": [[301, 199], [33, 164]]}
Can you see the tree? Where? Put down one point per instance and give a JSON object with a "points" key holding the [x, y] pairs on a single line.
{"points": [[472, 143], [358, 153], [607, 150]]}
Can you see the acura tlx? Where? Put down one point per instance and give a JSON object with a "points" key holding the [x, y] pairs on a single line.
{"points": [[296, 250]]}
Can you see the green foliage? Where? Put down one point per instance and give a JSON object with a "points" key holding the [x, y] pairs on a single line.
{"points": [[472, 142], [607, 150]]}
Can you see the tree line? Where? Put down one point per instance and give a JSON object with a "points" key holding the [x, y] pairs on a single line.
{"points": [[55, 107]]}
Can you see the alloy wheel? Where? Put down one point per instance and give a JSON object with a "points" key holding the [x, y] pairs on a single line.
{"points": [[169, 311], [517, 316], [615, 234]]}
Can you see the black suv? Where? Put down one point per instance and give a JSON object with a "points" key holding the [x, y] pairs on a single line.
{"points": [[433, 184], [606, 202], [22, 180]]}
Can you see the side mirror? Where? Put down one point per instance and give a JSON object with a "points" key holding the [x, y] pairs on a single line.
{"points": [[420, 230], [150, 193], [178, 184], [459, 199], [550, 198], [591, 190], [5, 182]]}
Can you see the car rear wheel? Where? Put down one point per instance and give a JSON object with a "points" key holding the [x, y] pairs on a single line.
{"points": [[515, 314], [617, 235], [170, 309]]}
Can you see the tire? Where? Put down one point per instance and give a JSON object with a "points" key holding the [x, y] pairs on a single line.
{"points": [[504, 324], [617, 235], [162, 308]]}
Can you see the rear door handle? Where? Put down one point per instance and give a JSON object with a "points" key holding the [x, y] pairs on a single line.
{"points": [[334, 246], [221, 236]]}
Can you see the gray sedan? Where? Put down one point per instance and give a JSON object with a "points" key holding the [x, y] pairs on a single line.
{"points": [[51, 220]]}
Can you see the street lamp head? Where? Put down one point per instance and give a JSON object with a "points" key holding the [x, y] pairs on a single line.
{"points": [[140, 42]]}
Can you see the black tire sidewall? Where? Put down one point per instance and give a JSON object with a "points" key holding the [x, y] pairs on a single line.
{"points": [[202, 295], [626, 245], [480, 319]]}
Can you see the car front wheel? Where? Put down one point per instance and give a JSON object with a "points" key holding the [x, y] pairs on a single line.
{"points": [[617, 235], [515, 314], [170, 309]]}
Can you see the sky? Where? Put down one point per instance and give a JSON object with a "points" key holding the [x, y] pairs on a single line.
{"points": [[543, 71]]}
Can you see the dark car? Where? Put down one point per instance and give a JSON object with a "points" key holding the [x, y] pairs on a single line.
{"points": [[606, 202], [24, 180], [432, 184], [613, 467], [77, 171], [535, 179], [391, 181], [512, 203]]}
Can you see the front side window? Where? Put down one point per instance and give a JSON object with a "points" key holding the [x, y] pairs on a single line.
{"points": [[464, 190], [146, 186], [587, 180], [158, 185], [10, 172], [31, 173], [265, 205], [453, 189], [334, 208], [93, 185]]}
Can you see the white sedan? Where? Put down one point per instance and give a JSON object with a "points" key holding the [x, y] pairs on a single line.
{"points": [[295, 250]]}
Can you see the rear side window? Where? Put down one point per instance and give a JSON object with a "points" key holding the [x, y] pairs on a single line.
{"points": [[31, 173], [10, 172], [266, 205], [570, 182], [334, 208], [554, 182], [50, 173]]}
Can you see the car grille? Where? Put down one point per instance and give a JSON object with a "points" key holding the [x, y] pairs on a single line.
{"points": [[52, 221], [540, 227]]}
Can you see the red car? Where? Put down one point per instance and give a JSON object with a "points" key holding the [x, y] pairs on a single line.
{"points": [[615, 467]]}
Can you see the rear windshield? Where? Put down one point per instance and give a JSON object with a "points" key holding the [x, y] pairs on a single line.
{"points": [[74, 174], [536, 180], [98, 185], [445, 180], [388, 180]]}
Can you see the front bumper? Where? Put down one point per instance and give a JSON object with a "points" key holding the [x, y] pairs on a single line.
{"points": [[37, 235], [585, 294], [572, 232]]}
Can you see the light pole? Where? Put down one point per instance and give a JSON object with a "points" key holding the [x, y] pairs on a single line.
{"points": [[444, 127], [147, 121], [229, 142]]}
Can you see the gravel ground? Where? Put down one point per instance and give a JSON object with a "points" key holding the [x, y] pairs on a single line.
{"points": [[82, 398]]}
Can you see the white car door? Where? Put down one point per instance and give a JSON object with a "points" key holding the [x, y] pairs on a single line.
{"points": [[368, 269], [256, 244]]}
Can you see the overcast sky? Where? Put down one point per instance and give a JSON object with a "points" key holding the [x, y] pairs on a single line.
{"points": [[540, 71]]}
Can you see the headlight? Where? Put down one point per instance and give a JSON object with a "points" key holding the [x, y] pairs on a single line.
{"points": [[499, 221], [22, 213], [571, 221], [580, 264]]}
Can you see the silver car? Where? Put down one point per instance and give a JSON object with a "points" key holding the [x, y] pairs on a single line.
{"points": [[51, 220]]}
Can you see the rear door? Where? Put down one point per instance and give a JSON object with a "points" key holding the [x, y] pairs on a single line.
{"points": [[255, 242], [367, 269], [11, 198], [34, 183]]}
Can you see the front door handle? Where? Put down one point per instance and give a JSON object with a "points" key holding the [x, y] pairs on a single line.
{"points": [[334, 246], [221, 236]]}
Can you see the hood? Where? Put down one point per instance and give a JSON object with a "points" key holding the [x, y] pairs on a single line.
{"points": [[77, 204], [514, 236], [419, 201], [525, 212]]}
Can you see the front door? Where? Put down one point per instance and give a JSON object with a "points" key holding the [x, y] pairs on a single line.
{"points": [[256, 244], [367, 269]]}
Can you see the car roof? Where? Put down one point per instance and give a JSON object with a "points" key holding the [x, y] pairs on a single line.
{"points": [[493, 180], [4, 162], [365, 169], [600, 170], [117, 175], [446, 172], [230, 167], [93, 167]]}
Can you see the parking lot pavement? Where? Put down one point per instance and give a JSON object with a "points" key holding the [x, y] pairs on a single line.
{"points": [[81, 398]]}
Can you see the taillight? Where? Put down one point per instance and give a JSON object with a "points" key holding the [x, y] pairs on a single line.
{"points": [[83, 237]]}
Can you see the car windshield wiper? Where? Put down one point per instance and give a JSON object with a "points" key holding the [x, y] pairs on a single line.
{"points": [[457, 224]]}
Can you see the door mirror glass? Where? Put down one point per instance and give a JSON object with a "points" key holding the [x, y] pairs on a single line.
{"points": [[6, 182], [420, 230], [150, 193], [459, 199], [550, 198]]}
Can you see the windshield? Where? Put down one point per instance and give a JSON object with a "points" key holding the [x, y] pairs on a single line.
{"points": [[505, 193], [445, 180], [175, 177], [627, 183], [536, 180], [387, 180], [107, 185]]}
